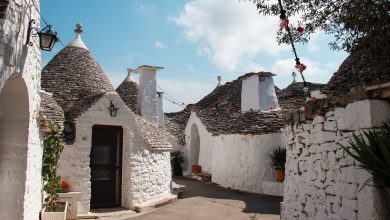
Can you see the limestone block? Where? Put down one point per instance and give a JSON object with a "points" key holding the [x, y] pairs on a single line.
{"points": [[334, 217], [331, 146], [366, 114], [336, 207], [330, 190], [339, 114], [339, 153], [346, 190], [317, 128], [307, 127], [347, 213], [330, 126], [322, 137], [348, 175], [318, 119], [350, 204]]}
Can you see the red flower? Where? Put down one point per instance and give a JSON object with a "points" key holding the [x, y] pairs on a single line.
{"points": [[283, 24], [64, 185], [226, 110], [313, 98], [300, 29], [301, 67], [193, 107]]}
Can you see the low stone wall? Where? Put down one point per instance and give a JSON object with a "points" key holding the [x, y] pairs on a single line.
{"points": [[322, 181]]}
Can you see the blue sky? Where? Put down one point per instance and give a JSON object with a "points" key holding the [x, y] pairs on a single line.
{"points": [[195, 41]]}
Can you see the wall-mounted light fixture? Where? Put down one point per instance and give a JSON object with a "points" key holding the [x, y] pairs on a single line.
{"points": [[47, 38], [113, 109]]}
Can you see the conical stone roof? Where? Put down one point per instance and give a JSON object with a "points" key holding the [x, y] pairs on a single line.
{"points": [[128, 91], [75, 79]]}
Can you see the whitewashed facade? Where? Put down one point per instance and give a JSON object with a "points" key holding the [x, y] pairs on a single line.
{"points": [[20, 147]]}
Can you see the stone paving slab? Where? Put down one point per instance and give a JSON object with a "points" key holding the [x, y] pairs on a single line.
{"points": [[200, 201]]}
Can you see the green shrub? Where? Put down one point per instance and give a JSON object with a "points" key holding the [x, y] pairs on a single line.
{"points": [[52, 148]]}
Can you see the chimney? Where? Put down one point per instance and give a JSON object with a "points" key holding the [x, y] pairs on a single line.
{"points": [[258, 92], [160, 113], [147, 93]]}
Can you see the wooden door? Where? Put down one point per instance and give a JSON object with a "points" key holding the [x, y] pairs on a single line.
{"points": [[106, 166]]}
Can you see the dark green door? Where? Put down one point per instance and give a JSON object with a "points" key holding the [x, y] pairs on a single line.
{"points": [[106, 166]]}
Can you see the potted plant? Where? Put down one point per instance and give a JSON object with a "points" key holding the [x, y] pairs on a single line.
{"points": [[372, 150], [52, 148], [196, 169], [177, 159], [278, 161]]}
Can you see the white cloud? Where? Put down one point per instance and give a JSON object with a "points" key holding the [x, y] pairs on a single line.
{"points": [[159, 45], [230, 33], [184, 91]]}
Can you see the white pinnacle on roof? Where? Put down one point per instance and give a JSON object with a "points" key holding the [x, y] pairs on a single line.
{"points": [[77, 42], [129, 76]]}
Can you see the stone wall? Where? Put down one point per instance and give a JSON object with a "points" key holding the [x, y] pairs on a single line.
{"points": [[146, 174], [19, 62], [322, 181]]}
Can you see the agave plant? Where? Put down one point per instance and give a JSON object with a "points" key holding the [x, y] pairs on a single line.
{"points": [[372, 150], [278, 158]]}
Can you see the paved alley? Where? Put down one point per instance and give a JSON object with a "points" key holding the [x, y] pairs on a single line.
{"points": [[206, 201]]}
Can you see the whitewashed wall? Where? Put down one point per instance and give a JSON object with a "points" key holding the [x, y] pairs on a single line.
{"points": [[147, 94], [146, 174], [250, 96], [20, 66], [322, 181], [237, 161], [206, 143], [242, 161]]}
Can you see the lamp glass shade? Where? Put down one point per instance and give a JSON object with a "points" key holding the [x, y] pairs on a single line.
{"points": [[47, 40]]}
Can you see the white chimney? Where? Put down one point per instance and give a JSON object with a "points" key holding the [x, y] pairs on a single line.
{"points": [[147, 93], [258, 92], [160, 113]]}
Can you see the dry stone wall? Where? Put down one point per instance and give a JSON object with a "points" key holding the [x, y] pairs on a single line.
{"points": [[322, 181]]}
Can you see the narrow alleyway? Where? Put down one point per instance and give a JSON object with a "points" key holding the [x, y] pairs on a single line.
{"points": [[206, 201]]}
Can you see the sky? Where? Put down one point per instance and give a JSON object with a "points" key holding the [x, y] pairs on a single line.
{"points": [[195, 41]]}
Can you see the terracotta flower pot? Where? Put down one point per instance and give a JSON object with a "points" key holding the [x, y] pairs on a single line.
{"points": [[279, 175], [196, 169]]}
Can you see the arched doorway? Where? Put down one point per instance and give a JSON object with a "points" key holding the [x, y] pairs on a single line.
{"points": [[194, 146], [14, 123]]}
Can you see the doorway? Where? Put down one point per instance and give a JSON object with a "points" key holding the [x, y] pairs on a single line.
{"points": [[194, 146], [106, 166]]}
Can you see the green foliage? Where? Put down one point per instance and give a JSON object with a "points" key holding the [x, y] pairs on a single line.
{"points": [[52, 148], [372, 150], [177, 159], [350, 21], [278, 158]]}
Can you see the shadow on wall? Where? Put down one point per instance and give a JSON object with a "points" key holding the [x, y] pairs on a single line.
{"points": [[253, 203]]}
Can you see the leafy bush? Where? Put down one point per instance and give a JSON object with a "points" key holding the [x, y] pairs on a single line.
{"points": [[372, 150], [177, 159], [278, 158], [52, 148]]}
